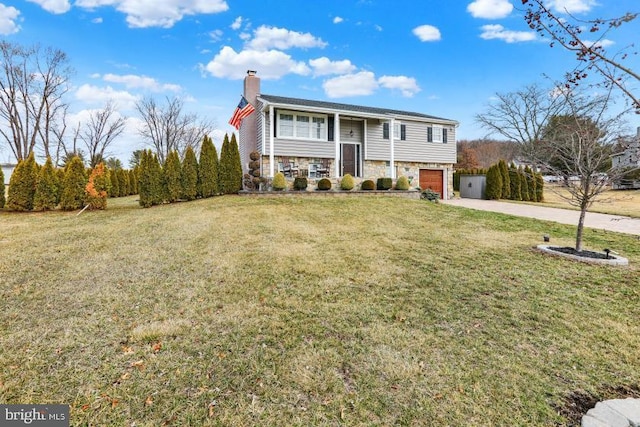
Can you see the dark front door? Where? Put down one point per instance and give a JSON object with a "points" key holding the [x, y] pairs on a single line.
{"points": [[349, 159]]}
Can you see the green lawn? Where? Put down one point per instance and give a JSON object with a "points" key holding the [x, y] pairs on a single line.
{"points": [[302, 311]]}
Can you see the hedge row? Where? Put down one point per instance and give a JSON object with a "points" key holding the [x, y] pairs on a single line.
{"points": [[36, 187]]}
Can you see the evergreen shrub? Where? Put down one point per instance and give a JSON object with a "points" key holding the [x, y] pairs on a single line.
{"points": [[347, 183], [324, 184], [384, 184], [368, 185]]}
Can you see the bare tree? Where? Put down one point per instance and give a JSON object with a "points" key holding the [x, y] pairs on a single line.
{"points": [[32, 84], [579, 144], [590, 54], [521, 116], [103, 127], [169, 127]]}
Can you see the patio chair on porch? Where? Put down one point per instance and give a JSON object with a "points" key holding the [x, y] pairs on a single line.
{"points": [[323, 168], [289, 168]]}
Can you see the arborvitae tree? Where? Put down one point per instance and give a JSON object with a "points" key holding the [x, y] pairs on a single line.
{"points": [[97, 188], [524, 184], [133, 182], [2, 190], [230, 166], [236, 165], [123, 181], [59, 180], [494, 183], [172, 173], [539, 187], [73, 185], [114, 177], [514, 181], [22, 185], [208, 169], [136, 177], [46, 197], [506, 181], [189, 175], [531, 183], [150, 180]]}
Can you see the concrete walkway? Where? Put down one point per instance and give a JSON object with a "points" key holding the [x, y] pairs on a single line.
{"points": [[617, 223]]}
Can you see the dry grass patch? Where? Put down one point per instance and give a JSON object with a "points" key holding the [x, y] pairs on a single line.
{"points": [[615, 202], [308, 311]]}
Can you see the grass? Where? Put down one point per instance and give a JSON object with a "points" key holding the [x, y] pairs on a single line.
{"points": [[615, 202], [309, 311]]}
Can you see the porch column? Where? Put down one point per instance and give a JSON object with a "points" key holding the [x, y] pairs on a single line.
{"points": [[391, 143], [271, 155], [336, 137], [445, 184]]}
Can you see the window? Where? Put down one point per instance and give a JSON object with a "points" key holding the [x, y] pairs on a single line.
{"points": [[399, 131], [302, 125], [435, 133]]}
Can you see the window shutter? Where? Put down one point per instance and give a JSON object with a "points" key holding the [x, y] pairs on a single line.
{"points": [[385, 130], [275, 122], [429, 134], [330, 127], [403, 132], [444, 136]]}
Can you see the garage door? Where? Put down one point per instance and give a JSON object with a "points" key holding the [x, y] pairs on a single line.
{"points": [[431, 178]]}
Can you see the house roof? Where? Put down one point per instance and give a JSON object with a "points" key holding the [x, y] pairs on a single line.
{"points": [[358, 110]]}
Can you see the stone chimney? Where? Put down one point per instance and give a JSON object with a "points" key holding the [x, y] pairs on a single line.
{"points": [[248, 134]]}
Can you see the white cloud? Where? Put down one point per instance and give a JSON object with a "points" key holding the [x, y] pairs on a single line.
{"points": [[359, 84], [490, 9], [427, 33], [153, 13], [378, 27], [8, 17], [237, 23], [272, 64], [53, 6], [572, 6], [324, 66], [216, 35], [495, 31], [337, 20], [280, 38], [99, 96], [407, 85], [132, 81], [604, 43]]}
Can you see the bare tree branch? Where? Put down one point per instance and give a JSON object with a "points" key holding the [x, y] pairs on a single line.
{"points": [[103, 127]]}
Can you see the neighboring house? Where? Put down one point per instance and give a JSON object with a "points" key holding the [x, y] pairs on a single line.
{"points": [[7, 170], [630, 157], [366, 142]]}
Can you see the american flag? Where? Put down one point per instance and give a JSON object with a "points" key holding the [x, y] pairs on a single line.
{"points": [[242, 110]]}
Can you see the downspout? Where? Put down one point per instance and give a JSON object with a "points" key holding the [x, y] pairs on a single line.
{"points": [[391, 144], [271, 154], [336, 136]]}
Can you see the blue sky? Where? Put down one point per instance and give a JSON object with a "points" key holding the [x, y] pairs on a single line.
{"points": [[445, 58]]}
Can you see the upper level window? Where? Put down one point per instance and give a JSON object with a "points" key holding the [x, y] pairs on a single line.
{"points": [[399, 131], [302, 125], [436, 133]]}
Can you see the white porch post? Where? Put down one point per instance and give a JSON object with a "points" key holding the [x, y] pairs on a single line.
{"points": [[391, 143], [336, 137], [271, 155], [445, 184]]}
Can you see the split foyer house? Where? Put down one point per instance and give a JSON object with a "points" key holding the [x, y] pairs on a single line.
{"points": [[366, 142]]}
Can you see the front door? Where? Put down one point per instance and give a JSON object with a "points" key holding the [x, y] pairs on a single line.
{"points": [[350, 159]]}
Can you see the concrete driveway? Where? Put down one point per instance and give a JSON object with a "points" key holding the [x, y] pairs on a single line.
{"points": [[620, 224]]}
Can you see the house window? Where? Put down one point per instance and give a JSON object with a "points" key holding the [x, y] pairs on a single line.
{"points": [[302, 126], [399, 131], [435, 133]]}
